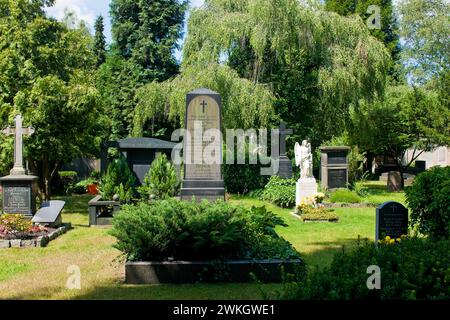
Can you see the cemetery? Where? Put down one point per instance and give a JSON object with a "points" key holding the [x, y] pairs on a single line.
{"points": [[267, 162]]}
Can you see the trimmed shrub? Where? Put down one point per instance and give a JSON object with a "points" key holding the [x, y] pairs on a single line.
{"points": [[280, 191], [411, 269], [198, 231], [118, 180], [161, 181], [318, 214], [429, 201], [243, 178], [344, 196], [68, 179]]}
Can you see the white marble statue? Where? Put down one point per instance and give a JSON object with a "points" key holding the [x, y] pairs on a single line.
{"points": [[303, 159], [306, 186]]}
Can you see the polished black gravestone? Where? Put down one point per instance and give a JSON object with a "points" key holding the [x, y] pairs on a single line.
{"points": [[203, 179], [19, 194], [391, 220]]}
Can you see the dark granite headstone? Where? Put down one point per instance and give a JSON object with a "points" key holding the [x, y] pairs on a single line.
{"points": [[202, 180], [334, 167], [19, 194], [337, 178], [50, 213], [391, 220]]}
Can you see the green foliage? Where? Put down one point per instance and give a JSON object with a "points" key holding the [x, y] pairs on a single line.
{"points": [[429, 202], [406, 118], [243, 178], [412, 269], [280, 191], [46, 74], [68, 178], [118, 180], [161, 181], [317, 63], [81, 187], [99, 41], [146, 33], [198, 231], [424, 28], [344, 196], [244, 104], [388, 34], [319, 213]]}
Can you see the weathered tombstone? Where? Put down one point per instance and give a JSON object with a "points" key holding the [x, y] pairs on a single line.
{"points": [[391, 220], [285, 164], [394, 181], [19, 189], [334, 167], [49, 214], [202, 147]]}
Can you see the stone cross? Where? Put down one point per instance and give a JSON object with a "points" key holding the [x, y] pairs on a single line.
{"points": [[18, 132], [283, 133]]}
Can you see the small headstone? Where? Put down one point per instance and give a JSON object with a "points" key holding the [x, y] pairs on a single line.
{"points": [[50, 214], [394, 181], [391, 220]]}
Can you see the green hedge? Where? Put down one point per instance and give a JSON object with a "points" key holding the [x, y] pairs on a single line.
{"points": [[344, 196], [429, 201], [411, 269], [280, 191], [198, 231]]}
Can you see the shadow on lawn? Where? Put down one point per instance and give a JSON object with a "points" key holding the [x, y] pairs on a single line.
{"points": [[323, 256]]}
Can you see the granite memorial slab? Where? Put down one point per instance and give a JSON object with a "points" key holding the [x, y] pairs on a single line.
{"points": [[391, 220]]}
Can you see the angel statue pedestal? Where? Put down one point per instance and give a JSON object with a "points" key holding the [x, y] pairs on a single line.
{"points": [[306, 186]]}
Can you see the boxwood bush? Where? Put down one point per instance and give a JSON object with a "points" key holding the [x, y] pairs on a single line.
{"points": [[344, 196], [280, 191], [410, 269], [429, 201], [198, 231]]}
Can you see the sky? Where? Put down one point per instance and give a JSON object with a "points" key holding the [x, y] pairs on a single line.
{"points": [[89, 10]]}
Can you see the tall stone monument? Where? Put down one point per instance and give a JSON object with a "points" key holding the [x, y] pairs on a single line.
{"points": [[285, 166], [202, 147], [306, 186], [18, 188]]}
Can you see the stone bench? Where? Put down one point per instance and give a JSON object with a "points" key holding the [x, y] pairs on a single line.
{"points": [[49, 214]]}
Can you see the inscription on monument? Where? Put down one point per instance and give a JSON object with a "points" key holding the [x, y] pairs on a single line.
{"points": [[391, 220], [203, 114], [337, 178], [17, 199]]}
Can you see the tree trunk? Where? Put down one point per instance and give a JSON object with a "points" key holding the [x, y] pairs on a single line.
{"points": [[47, 178]]}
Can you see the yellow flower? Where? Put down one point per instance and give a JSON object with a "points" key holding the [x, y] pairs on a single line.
{"points": [[388, 238], [399, 240], [392, 241]]}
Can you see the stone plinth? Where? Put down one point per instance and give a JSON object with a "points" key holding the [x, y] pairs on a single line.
{"points": [[19, 194], [305, 188]]}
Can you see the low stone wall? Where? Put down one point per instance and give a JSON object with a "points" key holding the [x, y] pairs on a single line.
{"points": [[41, 241], [155, 272]]}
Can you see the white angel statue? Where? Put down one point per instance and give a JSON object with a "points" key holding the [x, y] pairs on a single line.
{"points": [[303, 159]]}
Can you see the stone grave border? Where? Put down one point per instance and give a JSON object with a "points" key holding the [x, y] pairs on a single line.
{"points": [[41, 241]]}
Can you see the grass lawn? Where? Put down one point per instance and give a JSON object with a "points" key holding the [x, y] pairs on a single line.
{"points": [[41, 273]]}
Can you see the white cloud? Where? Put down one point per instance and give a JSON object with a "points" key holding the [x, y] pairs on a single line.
{"points": [[80, 7]]}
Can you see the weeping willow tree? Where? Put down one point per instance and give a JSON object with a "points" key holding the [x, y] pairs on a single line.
{"points": [[244, 104], [273, 56]]}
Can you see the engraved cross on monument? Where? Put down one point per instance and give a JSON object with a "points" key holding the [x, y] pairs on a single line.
{"points": [[18, 132], [19, 189]]}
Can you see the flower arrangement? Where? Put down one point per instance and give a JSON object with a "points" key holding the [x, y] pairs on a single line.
{"points": [[388, 240], [18, 226]]}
